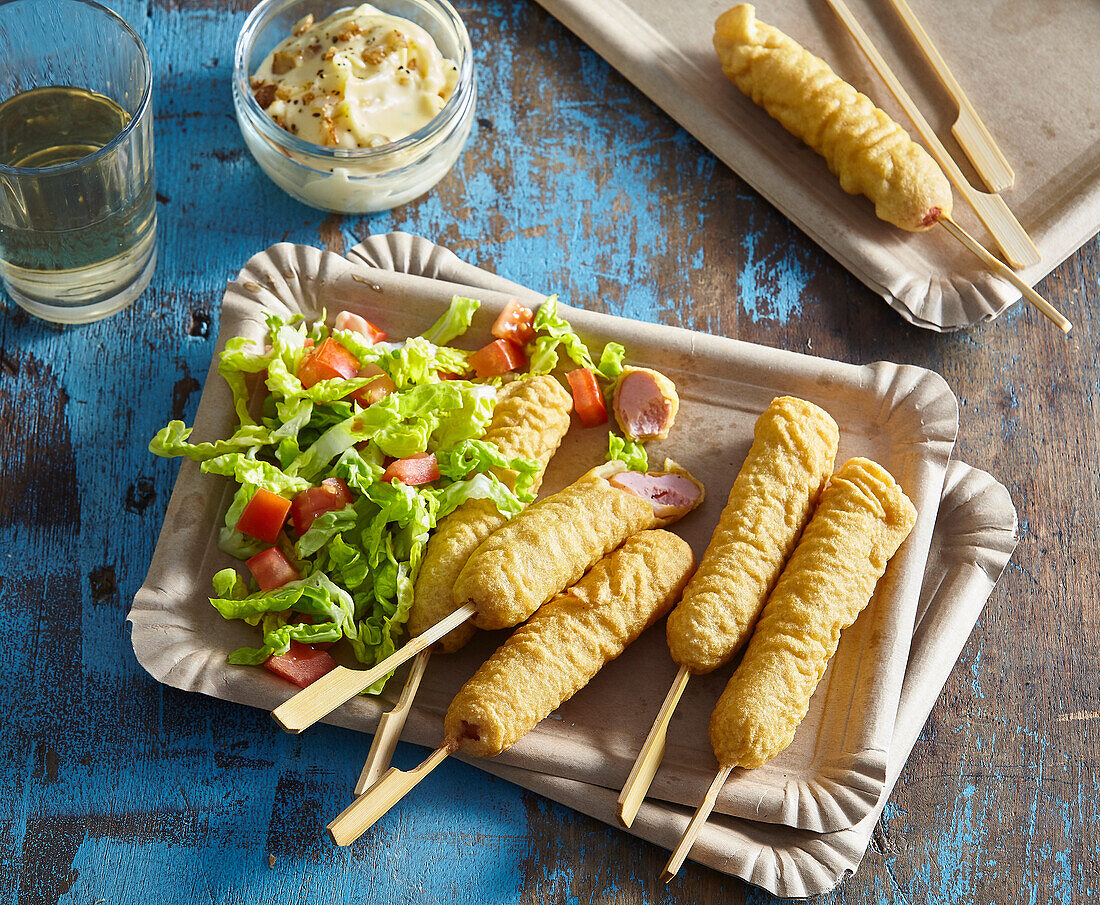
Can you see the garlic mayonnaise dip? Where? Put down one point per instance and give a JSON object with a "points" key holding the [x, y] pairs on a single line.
{"points": [[359, 79]]}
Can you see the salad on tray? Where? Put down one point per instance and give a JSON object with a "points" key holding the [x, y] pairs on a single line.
{"points": [[361, 445]]}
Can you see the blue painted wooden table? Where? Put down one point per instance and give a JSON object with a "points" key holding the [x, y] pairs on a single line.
{"points": [[114, 789]]}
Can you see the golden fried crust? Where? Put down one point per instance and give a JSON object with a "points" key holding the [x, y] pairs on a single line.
{"points": [[792, 455], [530, 420], [547, 548], [860, 522], [870, 153], [555, 654]]}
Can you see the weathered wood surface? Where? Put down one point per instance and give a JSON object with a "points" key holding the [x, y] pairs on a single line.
{"points": [[115, 789]]}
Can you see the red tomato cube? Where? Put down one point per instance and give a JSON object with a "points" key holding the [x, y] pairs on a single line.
{"points": [[333, 494], [418, 469], [497, 358], [587, 398], [303, 665], [328, 361], [377, 389], [271, 569], [516, 322], [263, 516]]}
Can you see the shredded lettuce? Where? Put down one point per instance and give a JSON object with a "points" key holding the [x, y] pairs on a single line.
{"points": [[358, 564], [552, 331], [627, 451], [454, 322]]}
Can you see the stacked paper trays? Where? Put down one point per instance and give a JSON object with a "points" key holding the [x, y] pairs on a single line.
{"points": [[845, 755]]}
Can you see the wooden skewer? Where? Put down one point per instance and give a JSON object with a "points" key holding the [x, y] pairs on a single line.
{"points": [[1010, 236], [649, 758], [969, 130], [342, 684], [997, 265], [390, 726], [695, 827], [368, 808]]}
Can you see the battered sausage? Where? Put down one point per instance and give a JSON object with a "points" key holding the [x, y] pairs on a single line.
{"points": [[792, 454], [529, 421], [548, 547], [645, 404], [871, 153], [555, 654], [860, 522]]}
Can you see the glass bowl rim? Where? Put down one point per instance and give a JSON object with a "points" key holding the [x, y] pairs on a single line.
{"points": [[258, 119], [143, 104]]}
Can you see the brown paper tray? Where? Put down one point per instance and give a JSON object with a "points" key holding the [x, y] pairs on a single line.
{"points": [[832, 774], [1025, 67], [974, 538]]}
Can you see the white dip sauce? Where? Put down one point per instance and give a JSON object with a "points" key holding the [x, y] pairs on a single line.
{"points": [[359, 79]]}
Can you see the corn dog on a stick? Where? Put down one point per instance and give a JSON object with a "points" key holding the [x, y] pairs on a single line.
{"points": [[861, 520], [549, 546], [870, 153], [567, 641], [791, 457], [544, 663], [530, 420], [519, 567], [792, 454]]}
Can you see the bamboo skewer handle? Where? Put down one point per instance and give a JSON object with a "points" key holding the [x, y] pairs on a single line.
{"points": [[695, 827], [370, 807], [649, 758], [969, 130], [390, 726], [998, 266], [1002, 224], [341, 684]]}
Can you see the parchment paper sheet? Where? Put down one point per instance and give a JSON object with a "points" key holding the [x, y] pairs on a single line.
{"points": [[832, 774], [1029, 68]]}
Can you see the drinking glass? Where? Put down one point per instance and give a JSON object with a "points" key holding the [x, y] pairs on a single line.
{"points": [[77, 196]]}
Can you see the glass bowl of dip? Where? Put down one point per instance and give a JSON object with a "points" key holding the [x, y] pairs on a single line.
{"points": [[354, 180]]}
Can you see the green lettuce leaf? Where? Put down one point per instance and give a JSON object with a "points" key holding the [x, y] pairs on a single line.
{"points": [[632, 454], [172, 441], [247, 470], [454, 322], [478, 455]]}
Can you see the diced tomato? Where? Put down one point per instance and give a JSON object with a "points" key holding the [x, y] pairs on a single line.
{"points": [[587, 398], [333, 494], [497, 358], [347, 320], [516, 323], [271, 569], [379, 388], [449, 375], [418, 469], [328, 360], [303, 665], [264, 515]]}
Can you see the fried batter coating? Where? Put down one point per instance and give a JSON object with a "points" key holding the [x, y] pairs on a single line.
{"points": [[792, 454], [860, 522], [551, 545], [555, 654], [870, 153], [529, 421]]}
